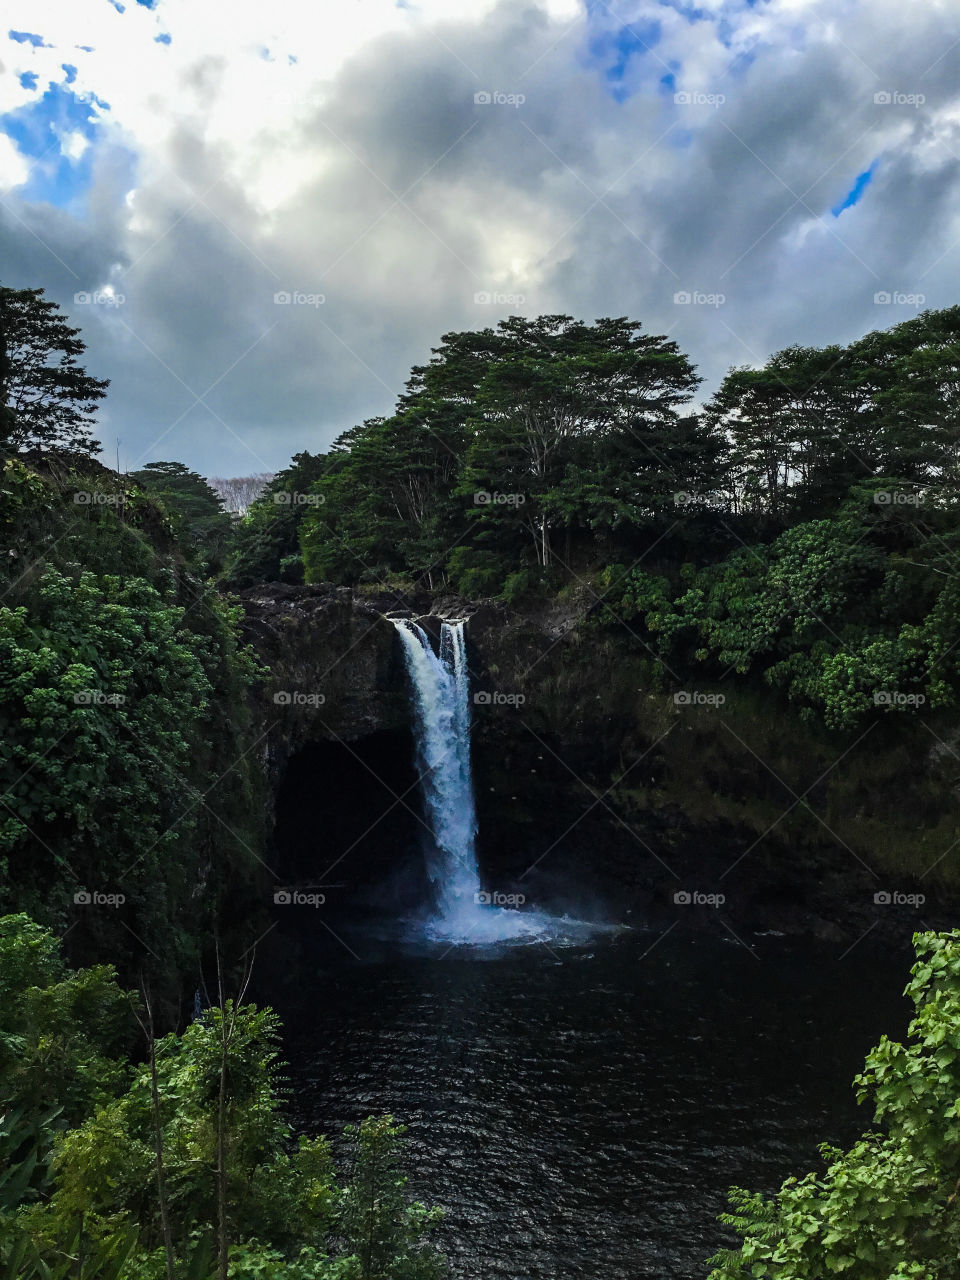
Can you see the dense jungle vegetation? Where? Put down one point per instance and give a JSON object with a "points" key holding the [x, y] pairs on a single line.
{"points": [[797, 534]]}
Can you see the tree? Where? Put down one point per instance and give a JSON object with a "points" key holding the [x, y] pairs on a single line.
{"points": [[552, 401], [47, 397], [812, 422], [184, 1161], [197, 509], [505, 438], [889, 1208], [265, 544]]}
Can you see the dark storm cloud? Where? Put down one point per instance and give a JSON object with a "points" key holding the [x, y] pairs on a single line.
{"points": [[595, 196]]}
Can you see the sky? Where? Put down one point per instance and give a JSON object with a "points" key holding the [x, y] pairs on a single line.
{"points": [[262, 215]]}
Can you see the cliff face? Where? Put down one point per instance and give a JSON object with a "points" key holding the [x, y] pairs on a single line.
{"points": [[594, 781], [335, 672]]}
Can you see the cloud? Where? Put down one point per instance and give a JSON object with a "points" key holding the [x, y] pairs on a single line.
{"points": [[610, 164]]}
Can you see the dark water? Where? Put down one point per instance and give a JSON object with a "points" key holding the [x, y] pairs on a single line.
{"points": [[581, 1112]]}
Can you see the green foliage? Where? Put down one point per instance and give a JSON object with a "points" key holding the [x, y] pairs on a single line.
{"points": [[60, 1030], [213, 1093], [196, 509], [853, 615], [812, 421], [888, 1207], [46, 398], [113, 704], [265, 545], [385, 1233], [507, 438], [123, 689]]}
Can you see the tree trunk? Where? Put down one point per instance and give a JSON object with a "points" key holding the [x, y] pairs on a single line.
{"points": [[158, 1152]]}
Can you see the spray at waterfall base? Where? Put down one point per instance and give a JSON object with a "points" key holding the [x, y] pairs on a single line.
{"points": [[440, 694]]}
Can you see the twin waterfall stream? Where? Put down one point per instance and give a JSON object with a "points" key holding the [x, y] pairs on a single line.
{"points": [[441, 700]]}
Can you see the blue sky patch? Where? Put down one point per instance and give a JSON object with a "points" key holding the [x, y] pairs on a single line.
{"points": [[27, 37], [38, 128], [855, 194], [613, 51]]}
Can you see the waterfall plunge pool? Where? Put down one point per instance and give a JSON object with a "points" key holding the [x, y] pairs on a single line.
{"points": [[579, 1104], [578, 1111]]}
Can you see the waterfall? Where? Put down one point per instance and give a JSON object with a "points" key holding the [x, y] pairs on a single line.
{"points": [[440, 687], [441, 701], [441, 697]]}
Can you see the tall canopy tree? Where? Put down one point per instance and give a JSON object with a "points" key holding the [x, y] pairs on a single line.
{"points": [[196, 507], [506, 437], [47, 398]]}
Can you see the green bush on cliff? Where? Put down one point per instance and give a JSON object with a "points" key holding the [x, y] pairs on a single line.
{"points": [[889, 1207], [848, 616], [126, 760]]}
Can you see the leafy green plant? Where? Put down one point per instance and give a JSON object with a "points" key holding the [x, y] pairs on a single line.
{"points": [[887, 1207]]}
